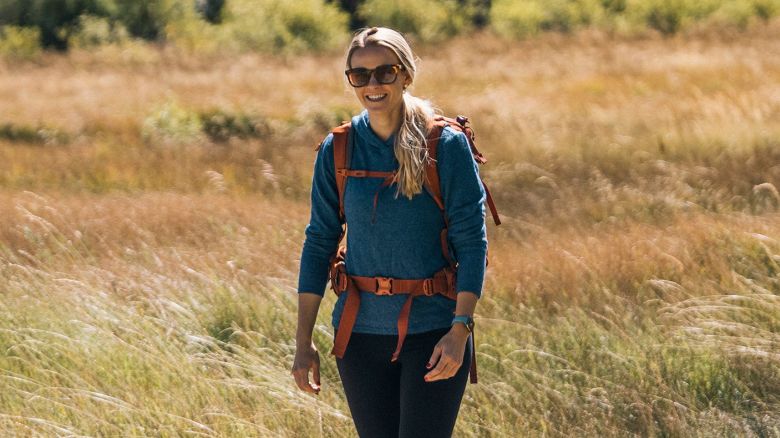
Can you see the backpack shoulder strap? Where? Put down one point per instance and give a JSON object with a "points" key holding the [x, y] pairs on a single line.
{"points": [[461, 124], [431, 168], [340, 160]]}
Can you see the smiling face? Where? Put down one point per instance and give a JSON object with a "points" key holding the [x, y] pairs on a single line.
{"points": [[379, 99]]}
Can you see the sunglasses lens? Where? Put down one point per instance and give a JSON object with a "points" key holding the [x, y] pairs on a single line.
{"points": [[359, 77], [385, 74]]}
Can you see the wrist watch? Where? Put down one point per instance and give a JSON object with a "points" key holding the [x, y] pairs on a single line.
{"points": [[466, 320]]}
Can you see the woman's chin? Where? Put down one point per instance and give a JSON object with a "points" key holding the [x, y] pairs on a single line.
{"points": [[380, 108]]}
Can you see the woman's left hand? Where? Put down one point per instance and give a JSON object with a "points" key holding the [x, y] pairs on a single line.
{"points": [[449, 354]]}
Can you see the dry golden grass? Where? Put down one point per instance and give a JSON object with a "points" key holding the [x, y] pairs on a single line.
{"points": [[147, 287], [573, 126], [164, 313]]}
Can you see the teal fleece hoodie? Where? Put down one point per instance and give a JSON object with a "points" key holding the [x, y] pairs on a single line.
{"points": [[403, 239]]}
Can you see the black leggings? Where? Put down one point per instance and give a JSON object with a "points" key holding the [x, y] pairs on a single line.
{"points": [[391, 399]]}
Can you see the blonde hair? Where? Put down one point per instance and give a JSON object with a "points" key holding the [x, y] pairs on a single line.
{"points": [[409, 146]]}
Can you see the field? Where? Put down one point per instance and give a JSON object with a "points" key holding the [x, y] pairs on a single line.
{"points": [[152, 208]]}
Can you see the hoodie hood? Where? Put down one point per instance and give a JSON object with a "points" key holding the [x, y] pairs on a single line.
{"points": [[362, 126]]}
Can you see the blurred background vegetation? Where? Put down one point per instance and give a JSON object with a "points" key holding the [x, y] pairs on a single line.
{"points": [[27, 26]]}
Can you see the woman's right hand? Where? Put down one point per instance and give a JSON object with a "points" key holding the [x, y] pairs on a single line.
{"points": [[307, 358]]}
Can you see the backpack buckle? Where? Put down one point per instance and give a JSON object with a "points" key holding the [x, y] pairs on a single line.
{"points": [[384, 286], [428, 287]]}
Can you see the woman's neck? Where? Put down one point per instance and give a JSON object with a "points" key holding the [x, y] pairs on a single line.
{"points": [[384, 124]]}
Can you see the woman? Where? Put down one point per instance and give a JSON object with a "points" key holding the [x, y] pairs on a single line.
{"points": [[394, 235]]}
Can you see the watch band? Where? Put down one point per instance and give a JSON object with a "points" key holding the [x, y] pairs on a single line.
{"points": [[466, 320]]}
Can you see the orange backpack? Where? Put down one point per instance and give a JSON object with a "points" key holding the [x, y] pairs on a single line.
{"points": [[443, 282]]}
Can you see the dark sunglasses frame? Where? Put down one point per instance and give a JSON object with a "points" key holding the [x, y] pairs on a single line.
{"points": [[394, 69]]}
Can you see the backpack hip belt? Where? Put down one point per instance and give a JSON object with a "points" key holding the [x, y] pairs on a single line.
{"points": [[442, 283]]}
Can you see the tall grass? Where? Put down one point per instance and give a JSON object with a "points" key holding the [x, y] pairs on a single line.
{"points": [[152, 215], [166, 314]]}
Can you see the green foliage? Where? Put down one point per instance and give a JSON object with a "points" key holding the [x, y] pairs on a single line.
{"points": [[430, 20], [148, 18], [28, 134], [517, 19], [671, 16], [523, 18], [211, 10], [668, 16], [323, 119], [267, 25], [220, 125], [278, 25], [19, 42], [766, 9], [172, 124], [91, 31], [736, 13], [53, 18], [314, 25]]}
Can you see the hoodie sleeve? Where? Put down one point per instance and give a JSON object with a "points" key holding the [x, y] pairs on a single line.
{"points": [[464, 202], [324, 228]]}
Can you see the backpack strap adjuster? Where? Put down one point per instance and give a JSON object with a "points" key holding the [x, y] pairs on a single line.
{"points": [[384, 286], [451, 280], [428, 287]]}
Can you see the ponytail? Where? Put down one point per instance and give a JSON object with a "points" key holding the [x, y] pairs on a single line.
{"points": [[410, 145]]}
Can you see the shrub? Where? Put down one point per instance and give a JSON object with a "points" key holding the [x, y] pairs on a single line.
{"points": [[148, 19], [172, 124], [766, 9], [671, 16], [428, 20], [279, 25], [211, 10], [92, 31], [58, 20], [665, 16], [320, 118], [221, 125], [520, 19], [516, 19], [736, 13], [19, 42], [53, 18], [28, 134]]}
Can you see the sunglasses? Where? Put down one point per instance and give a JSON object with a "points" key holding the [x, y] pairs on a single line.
{"points": [[384, 74]]}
